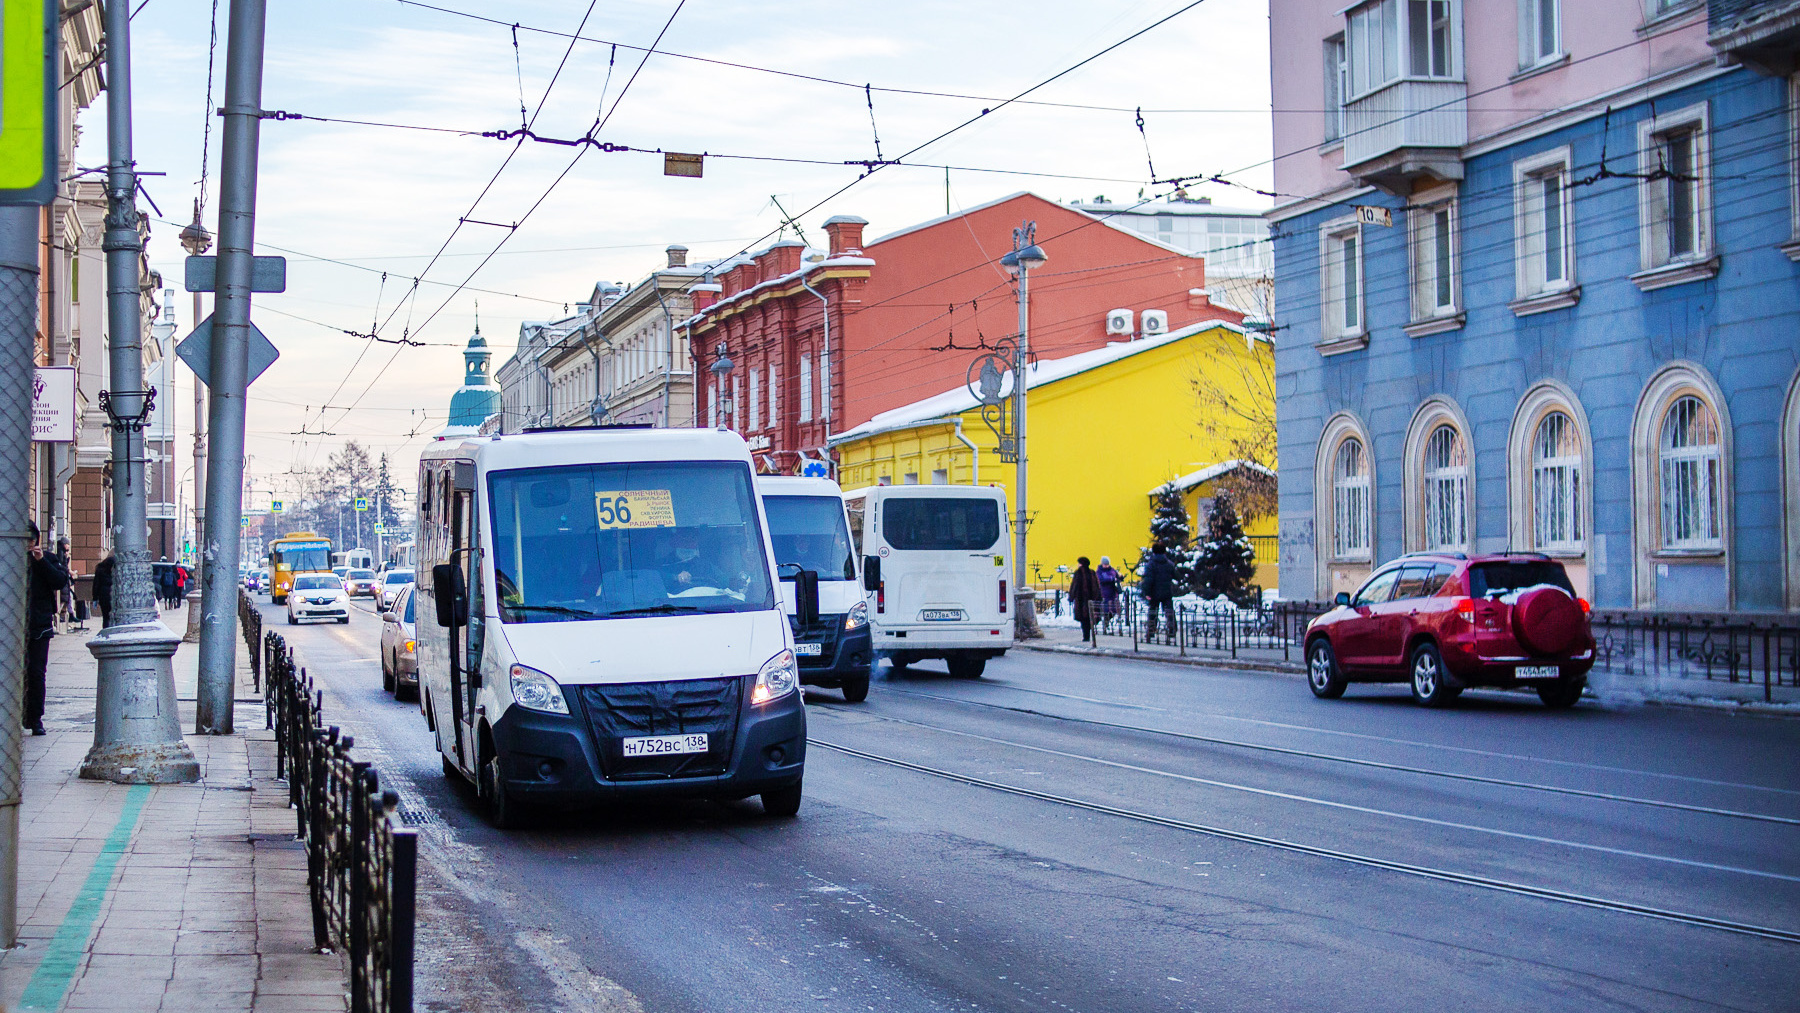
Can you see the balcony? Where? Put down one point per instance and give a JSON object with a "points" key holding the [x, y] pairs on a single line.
{"points": [[1410, 130], [1763, 35]]}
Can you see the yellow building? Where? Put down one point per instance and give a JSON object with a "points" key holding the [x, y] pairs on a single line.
{"points": [[1102, 427]]}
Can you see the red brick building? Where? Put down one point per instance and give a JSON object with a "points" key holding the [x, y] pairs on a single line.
{"points": [[908, 311]]}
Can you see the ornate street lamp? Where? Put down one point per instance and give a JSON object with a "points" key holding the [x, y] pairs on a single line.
{"points": [[721, 371], [1019, 262]]}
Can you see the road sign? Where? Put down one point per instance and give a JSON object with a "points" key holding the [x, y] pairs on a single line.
{"points": [[378, 528], [1369, 215], [267, 274], [362, 503], [196, 351], [276, 506], [245, 520], [28, 100]]}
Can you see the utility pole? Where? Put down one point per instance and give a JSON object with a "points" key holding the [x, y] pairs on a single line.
{"points": [[1025, 255], [18, 329], [196, 241], [137, 729], [230, 366]]}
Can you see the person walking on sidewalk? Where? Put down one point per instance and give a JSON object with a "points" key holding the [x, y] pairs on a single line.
{"points": [[46, 579], [1110, 585], [1159, 588], [103, 574], [1084, 594]]}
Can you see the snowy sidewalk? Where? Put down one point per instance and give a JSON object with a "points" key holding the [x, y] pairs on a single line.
{"points": [[188, 898]]}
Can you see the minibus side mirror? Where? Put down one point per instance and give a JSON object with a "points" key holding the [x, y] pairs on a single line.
{"points": [[806, 598], [871, 573], [1343, 598], [452, 596]]}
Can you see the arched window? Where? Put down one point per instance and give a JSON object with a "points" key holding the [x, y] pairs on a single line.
{"points": [[1446, 489], [1556, 484], [1688, 465], [1350, 501]]}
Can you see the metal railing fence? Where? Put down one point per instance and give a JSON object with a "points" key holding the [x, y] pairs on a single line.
{"points": [[1268, 631], [1735, 647], [250, 622], [361, 865]]}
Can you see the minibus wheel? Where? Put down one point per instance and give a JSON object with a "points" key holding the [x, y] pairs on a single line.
{"points": [[856, 690], [782, 802], [502, 810]]}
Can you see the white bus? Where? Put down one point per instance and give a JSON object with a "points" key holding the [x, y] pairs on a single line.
{"points": [[598, 617], [810, 531], [354, 559], [936, 562]]}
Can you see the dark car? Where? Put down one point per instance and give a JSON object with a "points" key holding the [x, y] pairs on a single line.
{"points": [[1446, 621]]}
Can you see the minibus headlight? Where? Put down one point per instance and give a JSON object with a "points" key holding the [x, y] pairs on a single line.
{"points": [[533, 690], [780, 676], [857, 617]]}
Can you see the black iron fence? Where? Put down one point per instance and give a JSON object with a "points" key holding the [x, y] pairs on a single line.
{"points": [[251, 624], [1270, 631], [361, 865], [1743, 648]]}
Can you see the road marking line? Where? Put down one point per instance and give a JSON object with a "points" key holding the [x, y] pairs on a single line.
{"points": [[63, 953]]}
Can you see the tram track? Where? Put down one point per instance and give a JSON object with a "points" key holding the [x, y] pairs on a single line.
{"points": [[1338, 855], [1395, 767]]}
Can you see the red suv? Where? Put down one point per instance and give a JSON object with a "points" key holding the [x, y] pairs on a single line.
{"points": [[1446, 621]]}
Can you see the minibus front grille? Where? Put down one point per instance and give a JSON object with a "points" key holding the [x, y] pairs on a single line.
{"points": [[634, 709]]}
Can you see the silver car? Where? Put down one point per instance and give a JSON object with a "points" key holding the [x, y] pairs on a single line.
{"points": [[388, 587], [400, 646]]}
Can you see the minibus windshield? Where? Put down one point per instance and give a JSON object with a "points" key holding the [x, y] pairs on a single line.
{"points": [[610, 541], [809, 530]]}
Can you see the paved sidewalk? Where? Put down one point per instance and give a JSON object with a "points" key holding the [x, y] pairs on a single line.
{"points": [[188, 898], [1067, 640]]}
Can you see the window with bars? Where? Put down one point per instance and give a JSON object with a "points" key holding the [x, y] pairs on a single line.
{"points": [[1446, 489], [1434, 267], [1556, 484], [1350, 501], [1689, 464]]}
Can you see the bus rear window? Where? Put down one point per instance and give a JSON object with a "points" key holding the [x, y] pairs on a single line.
{"points": [[940, 524]]}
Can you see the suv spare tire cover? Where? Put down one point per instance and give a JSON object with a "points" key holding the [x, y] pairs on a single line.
{"points": [[1546, 620]]}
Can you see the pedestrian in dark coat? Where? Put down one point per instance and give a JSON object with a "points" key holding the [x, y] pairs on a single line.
{"points": [[1110, 584], [1158, 586], [103, 587], [1084, 594], [46, 579]]}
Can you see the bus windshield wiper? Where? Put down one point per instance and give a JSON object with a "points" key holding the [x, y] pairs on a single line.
{"points": [[561, 610], [656, 610]]}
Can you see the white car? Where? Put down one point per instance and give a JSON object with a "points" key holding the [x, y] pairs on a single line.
{"points": [[388, 587], [318, 596]]}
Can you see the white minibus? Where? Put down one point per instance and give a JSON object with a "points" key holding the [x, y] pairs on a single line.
{"points": [[810, 531], [598, 618], [936, 561]]}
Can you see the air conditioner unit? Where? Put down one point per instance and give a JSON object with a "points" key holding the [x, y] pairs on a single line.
{"points": [[1119, 321], [1156, 322]]}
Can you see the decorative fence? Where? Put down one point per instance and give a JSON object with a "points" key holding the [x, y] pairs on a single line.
{"points": [[1743, 648], [361, 864], [250, 622], [1272, 631]]}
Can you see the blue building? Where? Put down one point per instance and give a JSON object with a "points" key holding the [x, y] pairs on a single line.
{"points": [[1543, 297]]}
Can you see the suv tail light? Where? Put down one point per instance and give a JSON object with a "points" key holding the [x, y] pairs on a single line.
{"points": [[1465, 607], [1003, 596], [1586, 607]]}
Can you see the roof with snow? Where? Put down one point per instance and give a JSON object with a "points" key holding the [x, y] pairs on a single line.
{"points": [[1038, 374], [1210, 472], [1103, 217]]}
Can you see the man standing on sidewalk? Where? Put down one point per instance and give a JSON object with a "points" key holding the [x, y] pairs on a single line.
{"points": [[1158, 587], [48, 577]]}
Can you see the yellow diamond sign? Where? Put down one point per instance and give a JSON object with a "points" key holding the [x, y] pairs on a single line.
{"points": [[27, 101]]}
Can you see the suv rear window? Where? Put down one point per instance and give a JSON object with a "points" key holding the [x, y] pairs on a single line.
{"points": [[1499, 578]]}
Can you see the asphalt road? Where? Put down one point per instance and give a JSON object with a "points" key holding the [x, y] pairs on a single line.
{"points": [[1086, 834]]}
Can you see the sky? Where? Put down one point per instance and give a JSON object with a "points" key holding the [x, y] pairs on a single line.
{"points": [[360, 210]]}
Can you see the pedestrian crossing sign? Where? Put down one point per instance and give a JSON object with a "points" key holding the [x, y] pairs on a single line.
{"points": [[275, 506], [378, 528], [362, 503], [244, 521]]}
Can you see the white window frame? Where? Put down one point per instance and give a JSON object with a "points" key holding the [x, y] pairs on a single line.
{"points": [[1445, 492], [1792, 246], [774, 399], [1704, 464], [1435, 296], [1385, 28], [1556, 493], [1531, 33], [1337, 86], [755, 401], [712, 405], [1655, 195], [806, 386], [824, 385], [1350, 504], [1530, 233], [1336, 322], [737, 404]]}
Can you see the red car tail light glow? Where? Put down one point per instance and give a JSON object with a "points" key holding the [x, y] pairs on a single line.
{"points": [[1465, 607], [1586, 607]]}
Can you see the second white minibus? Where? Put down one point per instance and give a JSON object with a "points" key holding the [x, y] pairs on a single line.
{"points": [[598, 617], [810, 531], [936, 562]]}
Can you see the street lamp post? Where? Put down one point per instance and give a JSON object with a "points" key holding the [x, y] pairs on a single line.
{"points": [[721, 371], [196, 241], [1019, 262]]}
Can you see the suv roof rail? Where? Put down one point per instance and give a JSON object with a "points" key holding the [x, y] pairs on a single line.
{"points": [[1432, 552]]}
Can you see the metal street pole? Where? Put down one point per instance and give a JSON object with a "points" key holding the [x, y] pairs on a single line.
{"points": [[18, 330], [196, 241], [137, 727], [1025, 255], [230, 367]]}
